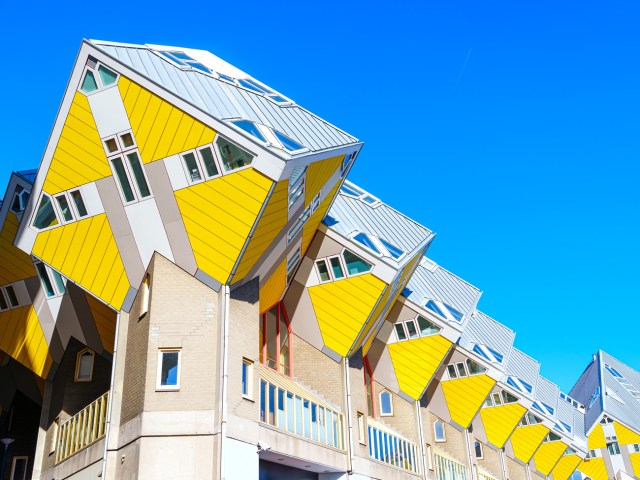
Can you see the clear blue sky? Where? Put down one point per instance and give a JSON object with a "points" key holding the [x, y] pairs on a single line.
{"points": [[509, 128]]}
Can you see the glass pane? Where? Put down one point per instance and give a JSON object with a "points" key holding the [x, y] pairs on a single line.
{"points": [[138, 174], [123, 179], [244, 378], [272, 337], [323, 271], [456, 314], [11, 295], [298, 415], [199, 66], [127, 140], [336, 268], [281, 406], [314, 421], [180, 55], [411, 329], [225, 77], [496, 399], [209, 162], [169, 374], [426, 327], [89, 83], [439, 430], [322, 429], [288, 144], [366, 241], [3, 303], [232, 156], [271, 418], [400, 332], [64, 208], [461, 371], [19, 469], [263, 400], [475, 368], [354, 263], [57, 278], [307, 419], [111, 144], [434, 308], [452, 371], [394, 251], [86, 366], [330, 437], [250, 128], [192, 167], [107, 76], [385, 403], [251, 86], [79, 202], [290, 413], [46, 215], [44, 278], [278, 99]]}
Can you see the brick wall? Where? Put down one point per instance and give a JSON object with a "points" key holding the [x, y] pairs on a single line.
{"points": [[515, 470], [317, 371]]}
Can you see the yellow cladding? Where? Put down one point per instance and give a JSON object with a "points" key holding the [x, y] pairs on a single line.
{"points": [[272, 221], [594, 468], [548, 455], [160, 129], [86, 252], [596, 438], [465, 396], [526, 440], [342, 308], [499, 422], [318, 174], [310, 228], [565, 467], [625, 435], [366, 340], [273, 288], [105, 319], [16, 265], [22, 338], [79, 157], [218, 216], [635, 463], [416, 361]]}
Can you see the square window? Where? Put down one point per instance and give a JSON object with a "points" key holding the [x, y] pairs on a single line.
{"points": [[111, 144], [168, 370], [127, 140]]}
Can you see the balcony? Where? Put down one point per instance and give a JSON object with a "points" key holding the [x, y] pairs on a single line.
{"points": [[447, 468], [388, 447], [83, 429]]}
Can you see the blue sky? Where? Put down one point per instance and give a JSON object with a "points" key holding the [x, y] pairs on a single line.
{"points": [[509, 128]]}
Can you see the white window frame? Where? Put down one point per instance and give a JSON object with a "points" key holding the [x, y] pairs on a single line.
{"points": [[361, 429], [80, 355], [343, 265], [5, 301], [5, 292], [23, 204], [122, 153], [168, 388], [385, 414], [216, 152], [248, 365], [13, 467], [435, 432], [293, 265], [298, 226], [96, 76], [50, 275], [202, 168]]}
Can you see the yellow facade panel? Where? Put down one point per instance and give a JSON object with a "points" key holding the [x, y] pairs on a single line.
{"points": [[465, 396], [271, 290], [594, 468], [625, 435], [79, 156], [548, 455], [500, 421], [565, 467], [635, 463], [415, 362], [525, 440], [311, 227], [16, 265], [342, 308], [318, 174], [22, 338], [596, 438]]}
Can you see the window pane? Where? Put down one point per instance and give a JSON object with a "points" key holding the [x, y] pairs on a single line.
{"points": [[127, 140], [336, 268], [323, 271], [281, 406], [57, 278], [366, 241], [263, 400], [138, 174], [461, 371], [475, 368], [354, 263], [322, 429], [3, 303], [44, 278], [64, 208], [232, 156], [89, 83], [290, 413], [79, 203], [85, 366], [307, 419], [271, 419], [11, 295], [385, 403], [284, 346], [411, 329], [107, 76], [245, 378], [400, 332], [298, 415], [46, 215], [123, 179], [250, 128], [434, 308], [272, 337], [192, 167], [19, 468], [287, 143], [251, 86], [209, 162], [314, 421], [112, 145], [427, 327], [438, 428], [394, 251], [169, 374], [452, 371]]}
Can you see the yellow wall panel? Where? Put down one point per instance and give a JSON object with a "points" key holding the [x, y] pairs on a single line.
{"points": [[105, 319], [416, 361], [565, 467], [548, 455], [596, 438], [625, 435], [465, 396], [16, 265], [342, 308], [271, 291], [318, 174], [311, 227], [22, 338], [79, 157], [160, 129], [218, 216], [86, 252], [272, 221], [526, 440], [499, 422], [594, 468], [635, 463]]}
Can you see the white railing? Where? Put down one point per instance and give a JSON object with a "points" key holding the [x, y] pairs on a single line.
{"points": [[449, 469], [389, 447], [84, 428]]}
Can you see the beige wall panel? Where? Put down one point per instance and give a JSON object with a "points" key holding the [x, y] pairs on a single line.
{"points": [[302, 316], [383, 371]]}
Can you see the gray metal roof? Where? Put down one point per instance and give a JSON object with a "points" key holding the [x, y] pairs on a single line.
{"points": [[223, 100], [547, 392], [579, 432], [433, 282], [584, 389], [484, 330], [629, 411], [565, 412], [524, 367]]}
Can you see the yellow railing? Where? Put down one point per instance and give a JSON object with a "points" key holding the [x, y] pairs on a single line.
{"points": [[84, 428]]}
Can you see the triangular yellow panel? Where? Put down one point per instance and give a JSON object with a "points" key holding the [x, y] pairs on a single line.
{"points": [[317, 175], [635, 463], [594, 468], [548, 455], [272, 221], [218, 216], [160, 129], [416, 361], [499, 422], [86, 252], [273, 288], [565, 467], [310, 228], [596, 438], [105, 319], [79, 157], [16, 265], [22, 338], [342, 308], [465, 396], [625, 435], [526, 440]]}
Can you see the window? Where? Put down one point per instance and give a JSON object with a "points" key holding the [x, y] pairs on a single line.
{"points": [[487, 353], [464, 369], [572, 401], [386, 403], [543, 408], [296, 185], [613, 448], [144, 296], [250, 128], [367, 242], [529, 419], [431, 305], [20, 199], [605, 420], [361, 428], [636, 447], [368, 384], [67, 207], [292, 263], [333, 268], [501, 397], [563, 427], [4, 305], [8, 298], [354, 263], [168, 369], [346, 163], [52, 282], [438, 431], [45, 216], [247, 378], [297, 226], [378, 245], [623, 381], [184, 61], [594, 397], [19, 468], [200, 164], [408, 329], [478, 450], [275, 340], [97, 77], [127, 167], [288, 144], [453, 313], [84, 365], [552, 437], [233, 157], [519, 384]]}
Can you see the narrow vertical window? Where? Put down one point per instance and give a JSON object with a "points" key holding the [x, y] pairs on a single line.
{"points": [[65, 209], [123, 179], [478, 450], [336, 268], [11, 295], [45, 215], [386, 403], [361, 428], [81, 209], [368, 383], [138, 174], [144, 296], [193, 169], [323, 271], [247, 379], [19, 468], [3, 301], [168, 370], [84, 365], [438, 431], [209, 162], [52, 282], [292, 264], [275, 347]]}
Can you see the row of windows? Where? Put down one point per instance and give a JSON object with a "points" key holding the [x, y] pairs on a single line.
{"points": [[389, 448], [571, 401], [529, 419], [66, 207], [296, 228], [52, 282], [97, 77], [8, 298], [419, 327], [275, 336], [125, 162], [464, 369], [347, 264], [269, 136], [623, 381], [500, 398], [488, 353]]}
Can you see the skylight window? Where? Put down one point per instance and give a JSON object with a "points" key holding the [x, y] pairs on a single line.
{"points": [[563, 427], [351, 189], [288, 144], [613, 371], [543, 408], [456, 314], [622, 381], [251, 85], [488, 353], [431, 305], [250, 128], [519, 384], [367, 242], [185, 61], [594, 397], [227, 78], [379, 246], [394, 251]]}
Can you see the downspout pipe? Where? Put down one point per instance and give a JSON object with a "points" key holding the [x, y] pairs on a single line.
{"points": [[111, 395], [226, 296], [347, 384], [421, 440]]}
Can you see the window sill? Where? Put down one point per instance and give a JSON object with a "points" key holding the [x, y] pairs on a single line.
{"points": [[247, 397]]}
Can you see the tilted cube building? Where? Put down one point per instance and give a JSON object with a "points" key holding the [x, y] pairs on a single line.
{"points": [[190, 288]]}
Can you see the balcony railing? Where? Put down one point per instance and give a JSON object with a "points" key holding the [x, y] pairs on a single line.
{"points": [[448, 468], [388, 447], [84, 428], [287, 406]]}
